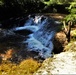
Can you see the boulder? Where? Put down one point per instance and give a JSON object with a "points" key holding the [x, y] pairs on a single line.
{"points": [[60, 40], [63, 63]]}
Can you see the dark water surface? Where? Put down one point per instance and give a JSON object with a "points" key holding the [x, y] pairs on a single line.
{"points": [[36, 35]]}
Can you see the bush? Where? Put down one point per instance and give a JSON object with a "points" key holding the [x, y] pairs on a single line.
{"points": [[72, 10]]}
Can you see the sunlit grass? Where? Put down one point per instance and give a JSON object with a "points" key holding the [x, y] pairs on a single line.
{"points": [[71, 46], [73, 33]]}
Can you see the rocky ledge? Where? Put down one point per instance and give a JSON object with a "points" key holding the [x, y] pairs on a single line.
{"points": [[63, 63]]}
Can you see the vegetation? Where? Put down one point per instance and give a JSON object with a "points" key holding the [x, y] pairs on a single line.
{"points": [[72, 15], [48, 2], [71, 7], [71, 46], [16, 8], [21, 7], [26, 67]]}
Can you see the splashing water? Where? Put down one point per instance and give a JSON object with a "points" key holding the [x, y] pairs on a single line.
{"points": [[41, 40]]}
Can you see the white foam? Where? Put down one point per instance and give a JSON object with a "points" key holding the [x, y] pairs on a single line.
{"points": [[37, 46], [31, 28], [37, 19]]}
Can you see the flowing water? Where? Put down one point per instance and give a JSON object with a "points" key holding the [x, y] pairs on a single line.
{"points": [[41, 39]]}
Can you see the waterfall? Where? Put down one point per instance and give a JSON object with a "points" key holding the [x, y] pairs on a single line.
{"points": [[41, 39]]}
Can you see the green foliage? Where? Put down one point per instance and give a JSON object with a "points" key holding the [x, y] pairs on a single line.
{"points": [[49, 2], [1, 3], [72, 7], [72, 10], [70, 17]]}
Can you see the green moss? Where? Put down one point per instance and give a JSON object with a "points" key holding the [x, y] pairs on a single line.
{"points": [[26, 67], [29, 65]]}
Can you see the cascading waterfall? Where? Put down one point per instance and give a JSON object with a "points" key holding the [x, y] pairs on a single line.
{"points": [[41, 39]]}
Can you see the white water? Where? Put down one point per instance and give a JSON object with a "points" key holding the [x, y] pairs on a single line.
{"points": [[41, 40], [31, 28], [37, 46]]}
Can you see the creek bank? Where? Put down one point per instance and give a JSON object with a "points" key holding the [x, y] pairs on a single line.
{"points": [[38, 30], [41, 27]]}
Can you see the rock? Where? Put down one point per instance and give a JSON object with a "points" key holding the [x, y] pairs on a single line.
{"points": [[63, 63], [60, 41]]}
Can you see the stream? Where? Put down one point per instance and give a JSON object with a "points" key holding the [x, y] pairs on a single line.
{"points": [[37, 34]]}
